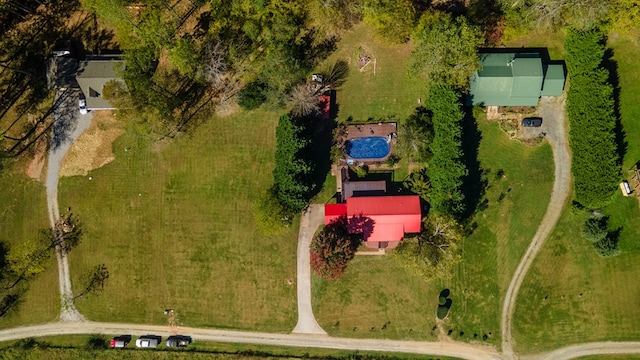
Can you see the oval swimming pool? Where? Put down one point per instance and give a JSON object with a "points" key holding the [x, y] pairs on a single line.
{"points": [[371, 147]]}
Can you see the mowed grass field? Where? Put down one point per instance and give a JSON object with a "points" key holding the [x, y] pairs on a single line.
{"points": [[23, 214], [174, 226], [376, 290], [589, 298]]}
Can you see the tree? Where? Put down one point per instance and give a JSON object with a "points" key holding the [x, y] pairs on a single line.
{"points": [[215, 64], [446, 49], [446, 170], [252, 95], [393, 19], [555, 14], [596, 160], [304, 100], [95, 281], [271, 216], [415, 136], [292, 170], [435, 251], [418, 182], [332, 249], [595, 229], [607, 247]]}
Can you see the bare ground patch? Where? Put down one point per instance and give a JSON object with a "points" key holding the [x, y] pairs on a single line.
{"points": [[93, 149]]}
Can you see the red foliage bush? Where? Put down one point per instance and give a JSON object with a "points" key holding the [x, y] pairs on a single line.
{"points": [[332, 249]]}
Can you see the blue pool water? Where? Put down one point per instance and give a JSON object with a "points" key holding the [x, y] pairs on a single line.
{"points": [[372, 147]]}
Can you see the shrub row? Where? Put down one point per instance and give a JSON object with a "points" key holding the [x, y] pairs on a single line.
{"points": [[590, 107], [446, 169]]}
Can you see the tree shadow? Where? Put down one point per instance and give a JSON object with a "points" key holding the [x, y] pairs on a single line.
{"points": [[620, 137], [475, 183], [360, 224]]}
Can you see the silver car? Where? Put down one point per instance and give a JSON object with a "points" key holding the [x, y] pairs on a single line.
{"points": [[148, 341]]}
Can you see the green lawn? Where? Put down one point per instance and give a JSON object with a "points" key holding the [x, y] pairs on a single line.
{"points": [[567, 266], [23, 214], [388, 92], [174, 225], [376, 290]]}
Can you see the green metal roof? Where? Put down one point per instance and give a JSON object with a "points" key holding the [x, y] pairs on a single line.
{"points": [[508, 80], [553, 81], [92, 76]]}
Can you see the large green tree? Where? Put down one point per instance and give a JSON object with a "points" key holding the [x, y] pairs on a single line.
{"points": [[435, 251], [591, 110], [446, 48], [393, 19], [446, 169], [292, 166]]}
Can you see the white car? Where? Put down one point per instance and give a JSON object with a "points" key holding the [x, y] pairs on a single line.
{"points": [[147, 342], [83, 106]]}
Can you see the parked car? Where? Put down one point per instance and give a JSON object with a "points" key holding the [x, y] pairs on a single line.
{"points": [[532, 122], [148, 341], [178, 341], [120, 341], [82, 104]]}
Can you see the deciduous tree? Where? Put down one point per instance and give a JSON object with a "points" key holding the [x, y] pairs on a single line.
{"points": [[446, 49], [435, 251], [332, 249]]}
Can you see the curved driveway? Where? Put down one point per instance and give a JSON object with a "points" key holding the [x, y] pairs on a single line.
{"points": [[552, 111], [67, 126]]}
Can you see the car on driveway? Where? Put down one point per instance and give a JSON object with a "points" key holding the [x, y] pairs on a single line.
{"points": [[532, 122], [82, 104], [148, 341], [178, 341]]}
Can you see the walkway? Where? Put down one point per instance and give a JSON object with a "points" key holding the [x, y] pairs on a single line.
{"points": [[551, 109], [311, 219], [68, 125]]}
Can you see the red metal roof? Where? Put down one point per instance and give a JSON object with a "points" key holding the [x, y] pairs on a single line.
{"points": [[325, 106], [379, 218], [333, 212]]}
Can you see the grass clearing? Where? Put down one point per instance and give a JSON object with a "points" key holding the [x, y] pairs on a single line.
{"points": [[389, 91], [175, 229], [376, 290], [568, 266], [23, 214]]}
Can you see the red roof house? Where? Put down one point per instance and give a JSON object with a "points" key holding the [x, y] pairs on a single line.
{"points": [[382, 220]]}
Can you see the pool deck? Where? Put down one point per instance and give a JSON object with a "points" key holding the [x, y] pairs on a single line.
{"points": [[348, 132], [365, 130]]}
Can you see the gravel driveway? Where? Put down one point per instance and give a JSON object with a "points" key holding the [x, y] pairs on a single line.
{"points": [[551, 109]]}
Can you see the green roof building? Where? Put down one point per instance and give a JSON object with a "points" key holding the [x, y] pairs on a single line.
{"points": [[92, 75], [512, 79]]}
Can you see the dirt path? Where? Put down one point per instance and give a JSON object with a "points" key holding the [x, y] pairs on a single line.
{"points": [[453, 349], [552, 111], [68, 125], [597, 348], [311, 219]]}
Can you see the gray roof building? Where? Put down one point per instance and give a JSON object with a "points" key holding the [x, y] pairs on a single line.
{"points": [[93, 74]]}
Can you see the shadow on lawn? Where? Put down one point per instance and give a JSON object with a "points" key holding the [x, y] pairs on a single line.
{"points": [[612, 67], [475, 183]]}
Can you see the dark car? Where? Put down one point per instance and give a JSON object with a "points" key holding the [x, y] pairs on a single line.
{"points": [[120, 341], [532, 122], [178, 341]]}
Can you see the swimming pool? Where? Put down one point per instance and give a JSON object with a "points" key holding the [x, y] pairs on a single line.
{"points": [[371, 147]]}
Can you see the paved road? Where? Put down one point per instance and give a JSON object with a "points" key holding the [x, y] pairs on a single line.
{"points": [[552, 111], [68, 125], [311, 219], [454, 349]]}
